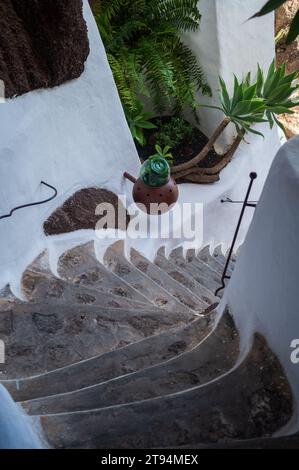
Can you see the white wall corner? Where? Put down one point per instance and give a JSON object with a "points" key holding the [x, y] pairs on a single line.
{"points": [[226, 44]]}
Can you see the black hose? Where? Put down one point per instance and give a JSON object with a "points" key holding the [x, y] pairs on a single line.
{"points": [[6, 216]]}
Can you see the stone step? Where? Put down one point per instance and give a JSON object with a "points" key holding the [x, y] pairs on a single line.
{"points": [[242, 404], [81, 267], [38, 287], [208, 359], [185, 278], [219, 256], [126, 360], [202, 276], [200, 271], [122, 267], [177, 290], [40, 337], [205, 256]]}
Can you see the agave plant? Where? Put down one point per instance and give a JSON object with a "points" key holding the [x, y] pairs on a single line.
{"points": [[244, 108], [251, 104], [278, 91]]}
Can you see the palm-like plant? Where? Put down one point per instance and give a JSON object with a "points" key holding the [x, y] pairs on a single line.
{"points": [[278, 91], [147, 56], [251, 104]]}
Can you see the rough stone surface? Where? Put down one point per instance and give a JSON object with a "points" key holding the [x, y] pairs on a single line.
{"points": [[40, 337], [42, 43], [207, 360], [240, 405], [125, 360], [159, 276], [79, 212], [81, 267], [98, 369], [289, 54]]}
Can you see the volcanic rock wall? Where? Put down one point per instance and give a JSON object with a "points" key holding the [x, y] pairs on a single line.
{"points": [[42, 43]]}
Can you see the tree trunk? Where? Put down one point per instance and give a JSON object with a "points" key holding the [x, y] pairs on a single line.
{"points": [[209, 175], [204, 152]]}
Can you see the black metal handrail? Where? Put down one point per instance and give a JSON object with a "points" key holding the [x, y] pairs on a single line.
{"points": [[6, 216], [246, 204]]}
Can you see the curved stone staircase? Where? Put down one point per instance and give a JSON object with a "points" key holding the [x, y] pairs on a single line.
{"points": [[132, 354]]}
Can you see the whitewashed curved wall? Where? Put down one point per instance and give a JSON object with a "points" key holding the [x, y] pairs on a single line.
{"points": [[76, 136], [263, 292], [228, 44], [72, 136]]}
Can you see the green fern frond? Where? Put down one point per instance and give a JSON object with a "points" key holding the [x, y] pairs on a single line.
{"points": [[146, 54]]}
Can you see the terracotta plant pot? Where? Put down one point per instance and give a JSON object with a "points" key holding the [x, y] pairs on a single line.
{"points": [[154, 200]]}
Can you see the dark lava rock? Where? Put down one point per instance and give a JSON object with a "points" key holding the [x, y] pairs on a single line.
{"points": [[42, 43], [79, 212]]}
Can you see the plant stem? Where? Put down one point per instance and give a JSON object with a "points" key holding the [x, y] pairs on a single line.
{"points": [[203, 174], [204, 152]]}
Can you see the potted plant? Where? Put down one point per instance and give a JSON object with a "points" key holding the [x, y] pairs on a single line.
{"points": [[155, 191]]}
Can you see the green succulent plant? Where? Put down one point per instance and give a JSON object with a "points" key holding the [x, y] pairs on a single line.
{"points": [[261, 101], [251, 104], [244, 108], [278, 91], [155, 171]]}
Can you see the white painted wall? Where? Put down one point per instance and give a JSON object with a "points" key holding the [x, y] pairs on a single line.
{"points": [[76, 136], [263, 292], [72, 136], [228, 44]]}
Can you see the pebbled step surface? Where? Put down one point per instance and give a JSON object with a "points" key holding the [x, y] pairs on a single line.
{"points": [[185, 278], [122, 361], [241, 405], [201, 272], [205, 256], [177, 290], [213, 357], [40, 337], [81, 267], [120, 266], [39, 287]]}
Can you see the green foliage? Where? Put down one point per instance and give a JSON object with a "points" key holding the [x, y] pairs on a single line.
{"points": [[138, 120], [163, 152], [270, 6], [155, 171], [244, 108], [277, 91], [261, 101], [174, 132], [146, 54]]}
